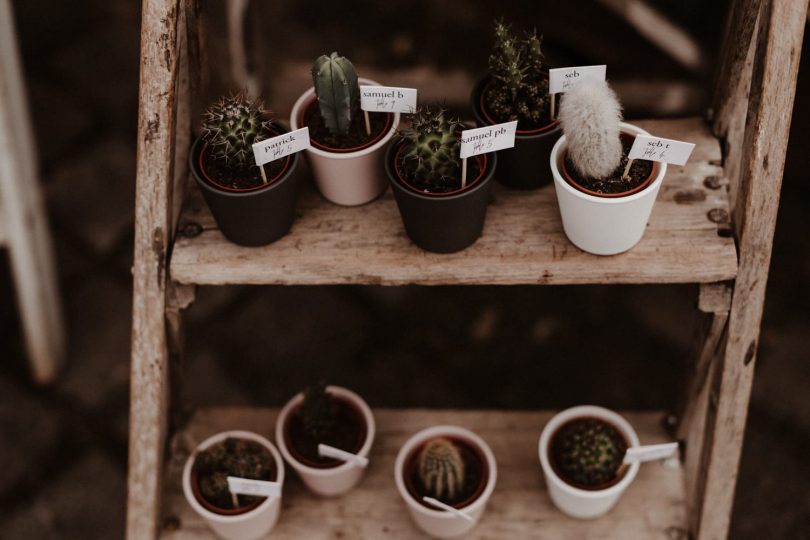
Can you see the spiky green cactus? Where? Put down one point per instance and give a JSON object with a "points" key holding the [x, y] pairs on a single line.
{"points": [[441, 469], [231, 457], [338, 91], [588, 452], [431, 150], [318, 413], [519, 92], [232, 125]]}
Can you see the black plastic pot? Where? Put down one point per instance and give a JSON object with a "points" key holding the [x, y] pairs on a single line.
{"points": [[254, 217], [442, 223], [526, 165]]}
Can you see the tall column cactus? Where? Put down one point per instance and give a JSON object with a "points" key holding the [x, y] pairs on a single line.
{"points": [[590, 114], [441, 469], [338, 91]]}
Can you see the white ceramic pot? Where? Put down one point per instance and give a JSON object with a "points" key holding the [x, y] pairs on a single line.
{"points": [[251, 525], [576, 502], [440, 523], [334, 480], [346, 178], [603, 225]]}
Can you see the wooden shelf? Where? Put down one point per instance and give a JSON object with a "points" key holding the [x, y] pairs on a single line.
{"points": [[523, 240], [653, 506]]}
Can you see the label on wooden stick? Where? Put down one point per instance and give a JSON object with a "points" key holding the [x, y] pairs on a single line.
{"points": [[388, 99], [487, 139], [281, 146], [561, 79], [258, 488], [658, 149]]}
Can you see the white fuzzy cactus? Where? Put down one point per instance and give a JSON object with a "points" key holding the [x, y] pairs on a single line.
{"points": [[590, 114]]}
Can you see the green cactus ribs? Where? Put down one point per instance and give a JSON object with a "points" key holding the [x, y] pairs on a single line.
{"points": [[588, 453], [447, 469], [519, 87], [615, 183], [230, 128], [323, 418], [429, 156], [232, 457]]}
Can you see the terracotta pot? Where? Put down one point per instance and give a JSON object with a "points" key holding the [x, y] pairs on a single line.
{"points": [[348, 177], [255, 216], [521, 167], [604, 225], [572, 500], [334, 480], [245, 523], [440, 523], [442, 222]]}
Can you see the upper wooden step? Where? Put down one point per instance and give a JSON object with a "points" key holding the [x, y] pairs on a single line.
{"points": [[523, 241]]}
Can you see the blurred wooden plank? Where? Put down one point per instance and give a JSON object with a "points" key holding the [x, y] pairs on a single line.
{"points": [[653, 507]]}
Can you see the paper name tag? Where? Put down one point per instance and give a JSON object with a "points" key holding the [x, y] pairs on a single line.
{"points": [[650, 452], [487, 139], [561, 79], [332, 452], [258, 488], [283, 145], [658, 149], [388, 99]]}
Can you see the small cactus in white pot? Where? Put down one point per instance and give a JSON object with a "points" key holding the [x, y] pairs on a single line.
{"points": [[604, 203], [453, 466]]}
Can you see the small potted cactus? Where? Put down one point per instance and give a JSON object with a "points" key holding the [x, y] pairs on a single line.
{"points": [[516, 88], [248, 210], [605, 200], [241, 454], [581, 453], [452, 465], [345, 151], [330, 415], [424, 168]]}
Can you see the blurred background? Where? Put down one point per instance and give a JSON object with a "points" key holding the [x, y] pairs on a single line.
{"points": [[63, 448]]}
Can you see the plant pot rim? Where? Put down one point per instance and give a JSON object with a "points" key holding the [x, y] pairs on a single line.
{"points": [[340, 392], [656, 176], [308, 97], [196, 163], [219, 437], [454, 432], [481, 159], [587, 411], [484, 118], [486, 174]]}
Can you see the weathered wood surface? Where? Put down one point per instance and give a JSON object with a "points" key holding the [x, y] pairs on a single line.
{"points": [[149, 369], [733, 81], [773, 86], [23, 217], [523, 240], [653, 506]]}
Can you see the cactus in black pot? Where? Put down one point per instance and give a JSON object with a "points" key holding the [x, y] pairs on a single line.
{"points": [[430, 151], [231, 126]]}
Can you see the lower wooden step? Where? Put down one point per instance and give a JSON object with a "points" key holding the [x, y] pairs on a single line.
{"points": [[654, 505]]}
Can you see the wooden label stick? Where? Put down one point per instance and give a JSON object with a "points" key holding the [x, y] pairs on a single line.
{"points": [[463, 173], [626, 175], [368, 123], [264, 176], [553, 106]]}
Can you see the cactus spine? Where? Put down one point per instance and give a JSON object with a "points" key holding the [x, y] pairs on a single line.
{"points": [[588, 452], [231, 126], [338, 91], [590, 114], [319, 411], [431, 150], [520, 91], [441, 469]]}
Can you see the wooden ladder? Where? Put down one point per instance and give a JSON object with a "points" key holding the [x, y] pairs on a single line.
{"points": [[713, 225]]}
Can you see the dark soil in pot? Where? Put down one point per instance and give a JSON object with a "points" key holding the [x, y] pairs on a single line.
{"points": [[355, 140], [526, 166], [640, 176], [349, 434], [231, 457], [475, 467], [571, 471], [443, 222], [252, 215]]}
